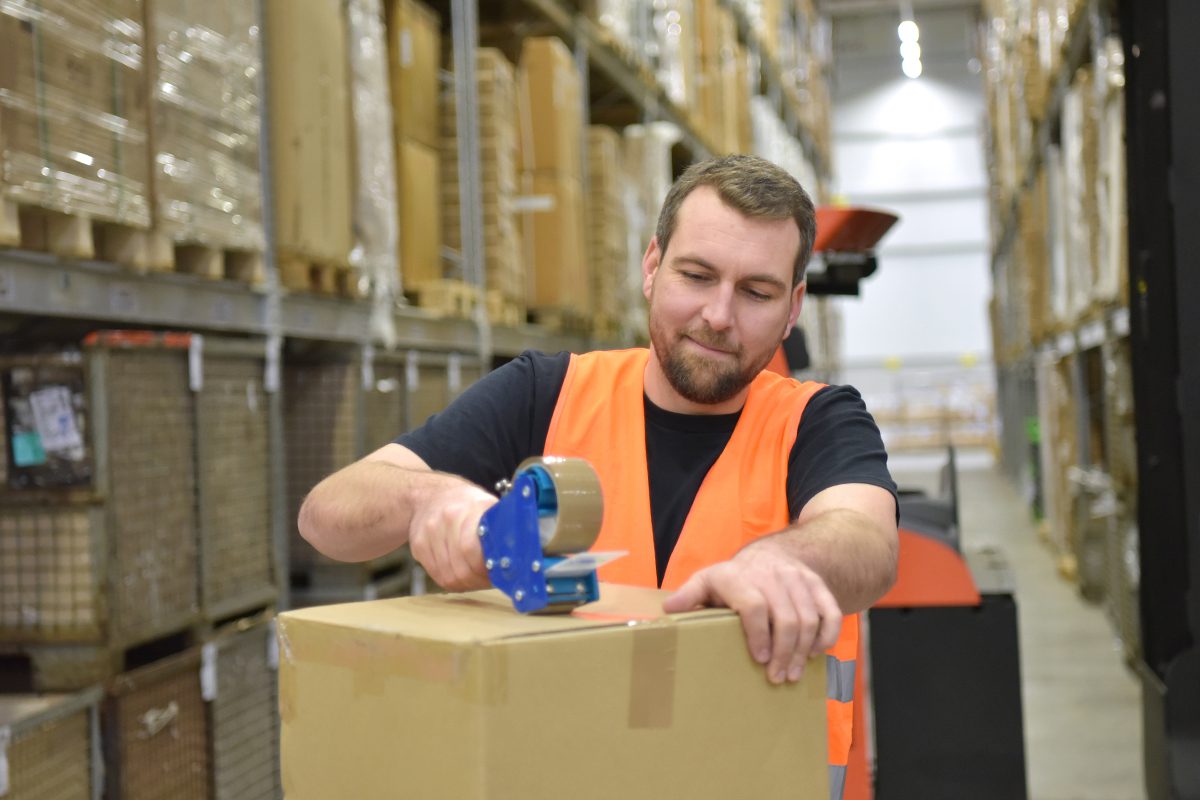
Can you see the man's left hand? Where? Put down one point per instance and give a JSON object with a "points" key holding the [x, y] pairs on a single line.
{"points": [[787, 611]]}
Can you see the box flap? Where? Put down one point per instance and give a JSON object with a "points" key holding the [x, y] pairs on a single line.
{"points": [[487, 615]]}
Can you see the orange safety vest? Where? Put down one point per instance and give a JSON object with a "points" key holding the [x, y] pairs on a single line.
{"points": [[600, 417]]}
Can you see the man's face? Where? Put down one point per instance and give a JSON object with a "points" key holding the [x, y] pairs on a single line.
{"points": [[721, 300]]}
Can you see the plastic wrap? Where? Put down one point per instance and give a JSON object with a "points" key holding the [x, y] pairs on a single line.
{"points": [[1079, 136], [648, 177], [376, 227], [1112, 256], [206, 115], [675, 34], [73, 108], [774, 142]]}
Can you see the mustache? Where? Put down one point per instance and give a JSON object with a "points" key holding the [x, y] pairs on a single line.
{"points": [[710, 338]]}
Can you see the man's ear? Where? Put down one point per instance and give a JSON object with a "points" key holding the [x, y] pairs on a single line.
{"points": [[650, 263], [797, 303]]}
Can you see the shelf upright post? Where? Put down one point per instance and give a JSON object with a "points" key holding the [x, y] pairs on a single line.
{"points": [[273, 325], [464, 24]]}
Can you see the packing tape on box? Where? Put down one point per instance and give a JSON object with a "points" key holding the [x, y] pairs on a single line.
{"points": [[652, 674]]}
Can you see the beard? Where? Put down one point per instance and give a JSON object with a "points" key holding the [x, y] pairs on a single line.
{"points": [[699, 378]]}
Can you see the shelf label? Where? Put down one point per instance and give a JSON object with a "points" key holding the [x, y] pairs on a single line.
{"points": [[222, 310], [1091, 335], [196, 362], [368, 367], [412, 371], [454, 373], [123, 300]]}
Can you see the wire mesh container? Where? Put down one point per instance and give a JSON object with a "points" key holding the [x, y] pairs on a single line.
{"points": [[97, 530], [50, 746], [156, 732], [322, 420], [244, 715], [233, 480]]}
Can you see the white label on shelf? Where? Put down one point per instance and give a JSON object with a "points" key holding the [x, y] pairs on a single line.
{"points": [[533, 202], [406, 48], [252, 397], [123, 300], [222, 310], [271, 374], [1065, 344], [412, 371], [208, 672], [54, 419], [1120, 322], [272, 645], [5, 738], [417, 586], [1091, 335], [368, 367], [196, 362], [454, 373]]}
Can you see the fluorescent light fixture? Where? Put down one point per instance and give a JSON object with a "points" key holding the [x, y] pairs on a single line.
{"points": [[908, 31], [82, 158], [910, 51], [911, 67]]}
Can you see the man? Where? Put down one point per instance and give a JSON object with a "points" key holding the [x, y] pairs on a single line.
{"points": [[733, 486]]}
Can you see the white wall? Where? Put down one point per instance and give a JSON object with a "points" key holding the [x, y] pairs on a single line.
{"points": [[915, 146]]}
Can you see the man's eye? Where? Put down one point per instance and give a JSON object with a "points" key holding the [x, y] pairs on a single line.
{"points": [[693, 276], [757, 295]]}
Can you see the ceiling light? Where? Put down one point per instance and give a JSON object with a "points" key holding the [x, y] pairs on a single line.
{"points": [[910, 50], [911, 67], [908, 31]]}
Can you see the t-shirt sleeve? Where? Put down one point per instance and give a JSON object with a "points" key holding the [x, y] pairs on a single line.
{"points": [[498, 422], [837, 443]]}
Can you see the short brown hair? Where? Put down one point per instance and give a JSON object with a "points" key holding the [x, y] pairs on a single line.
{"points": [[753, 186]]}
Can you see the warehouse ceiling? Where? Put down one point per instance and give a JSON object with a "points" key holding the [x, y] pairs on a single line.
{"points": [[845, 8]]}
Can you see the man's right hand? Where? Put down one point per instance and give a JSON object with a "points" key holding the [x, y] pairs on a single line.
{"points": [[444, 537]]}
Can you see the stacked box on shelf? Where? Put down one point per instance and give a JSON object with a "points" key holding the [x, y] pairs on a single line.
{"points": [[237, 570], [551, 127], [51, 747], [243, 713], [156, 732], [414, 55], [1032, 257], [719, 96], [646, 158], [607, 230], [1080, 167], [73, 120], [1112, 252], [503, 257], [205, 113], [312, 170], [1120, 446], [676, 65], [98, 534], [1057, 409]]}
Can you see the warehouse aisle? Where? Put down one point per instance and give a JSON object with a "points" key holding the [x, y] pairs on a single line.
{"points": [[1083, 728]]}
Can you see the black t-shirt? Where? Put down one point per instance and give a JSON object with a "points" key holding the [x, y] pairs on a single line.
{"points": [[503, 419]]}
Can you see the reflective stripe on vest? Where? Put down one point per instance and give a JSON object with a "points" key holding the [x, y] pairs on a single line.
{"points": [[600, 416]]}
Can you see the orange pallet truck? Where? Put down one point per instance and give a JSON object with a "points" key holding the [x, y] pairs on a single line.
{"points": [[943, 682]]}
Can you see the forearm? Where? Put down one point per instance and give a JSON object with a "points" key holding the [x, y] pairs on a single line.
{"points": [[851, 551], [366, 509]]}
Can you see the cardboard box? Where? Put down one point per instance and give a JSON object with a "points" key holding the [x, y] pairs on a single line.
{"points": [[554, 241], [414, 57], [310, 128], [420, 214], [551, 117], [458, 696]]}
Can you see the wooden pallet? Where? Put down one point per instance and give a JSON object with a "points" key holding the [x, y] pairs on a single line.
{"points": [[562, 320], [77, 236], [209, 261], [503, 310], [304, 274], [447, 298]]}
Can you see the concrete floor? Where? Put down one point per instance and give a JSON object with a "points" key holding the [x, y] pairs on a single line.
{"points": [[1082, 705]]}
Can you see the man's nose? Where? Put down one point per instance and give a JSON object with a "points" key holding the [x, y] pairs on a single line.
{"points": [[718, 311]]}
